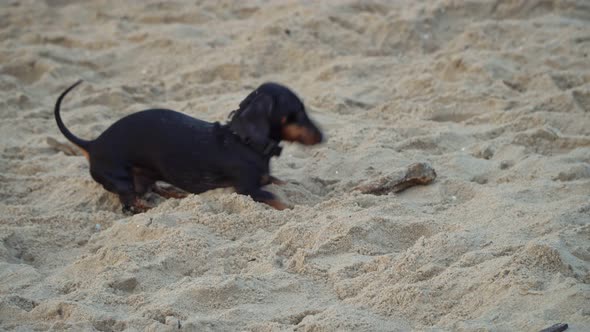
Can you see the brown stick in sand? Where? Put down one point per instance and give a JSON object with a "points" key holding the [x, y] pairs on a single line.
{"points": [[415, 174]]}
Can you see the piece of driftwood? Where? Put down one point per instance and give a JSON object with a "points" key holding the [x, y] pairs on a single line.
{"points": [[67, 149], [413, 175], [559, 327]]}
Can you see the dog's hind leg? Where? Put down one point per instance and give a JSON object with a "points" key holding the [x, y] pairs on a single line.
{"points": [[122, 183], [142, 180]]}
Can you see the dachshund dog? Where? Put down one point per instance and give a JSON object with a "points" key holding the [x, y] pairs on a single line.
{"points": [[194, 155]]}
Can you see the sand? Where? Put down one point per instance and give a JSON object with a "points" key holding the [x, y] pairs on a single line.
{"points": [[495, 95]]}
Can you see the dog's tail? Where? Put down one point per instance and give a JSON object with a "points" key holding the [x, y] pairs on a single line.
{"points": [[82, 144]]}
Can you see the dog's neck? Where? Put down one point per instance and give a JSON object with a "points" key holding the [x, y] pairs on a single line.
{"points": [[268, 148]]}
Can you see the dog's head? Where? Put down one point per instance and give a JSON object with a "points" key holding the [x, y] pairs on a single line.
{"points": [[272, 111]]}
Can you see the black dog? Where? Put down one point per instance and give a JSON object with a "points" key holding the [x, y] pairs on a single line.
{"points": [[193, 155]]}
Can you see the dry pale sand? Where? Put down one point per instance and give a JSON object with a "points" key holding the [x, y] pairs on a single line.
{"points": [[495, 95]]}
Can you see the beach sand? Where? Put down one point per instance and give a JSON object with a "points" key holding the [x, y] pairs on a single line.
{"points": [[495, 95]]}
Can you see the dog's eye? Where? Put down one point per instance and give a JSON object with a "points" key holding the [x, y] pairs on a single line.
{"points": [[291, 117]]}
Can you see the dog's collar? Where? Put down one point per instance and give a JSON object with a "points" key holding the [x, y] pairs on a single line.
{"points": [[269, 149]]}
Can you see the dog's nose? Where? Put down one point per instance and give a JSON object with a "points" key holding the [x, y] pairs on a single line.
{"points": [[320, 138]]}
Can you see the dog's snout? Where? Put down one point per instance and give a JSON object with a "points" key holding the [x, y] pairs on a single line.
{"points": [[320, 138], [314, 133], [315, 136]]}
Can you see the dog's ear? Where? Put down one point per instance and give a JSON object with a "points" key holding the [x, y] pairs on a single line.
{"points": [[254, 119], [246, 102]]}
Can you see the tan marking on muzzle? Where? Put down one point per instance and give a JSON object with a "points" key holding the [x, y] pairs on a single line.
{"points": [[297, 133]]}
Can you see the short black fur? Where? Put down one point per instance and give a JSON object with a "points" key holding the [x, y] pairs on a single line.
{"points": [[194, 155]]}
